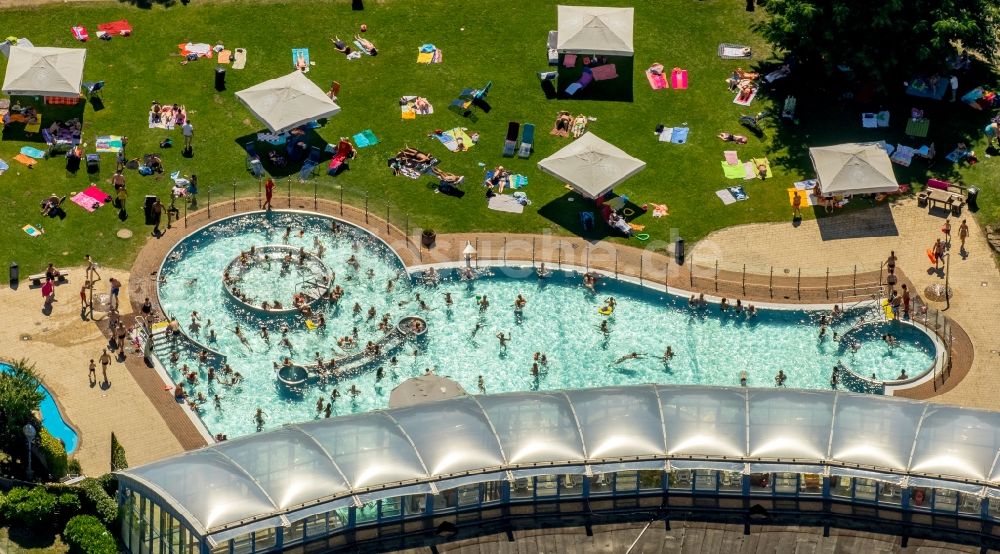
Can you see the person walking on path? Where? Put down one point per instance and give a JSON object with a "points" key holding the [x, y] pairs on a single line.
{"points": [[268, 193], [796, 206], [946, 229], [188, 131], [92, 375], [938, 251], [157, 209], [105, 362], [963, 233], [116, 286]]}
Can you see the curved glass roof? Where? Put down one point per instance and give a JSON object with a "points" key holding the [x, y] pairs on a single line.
{"points": [[281, 476]]}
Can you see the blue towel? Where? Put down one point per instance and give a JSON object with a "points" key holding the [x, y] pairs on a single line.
{"points": [[680, 135], [295, 57], [428, 48], [365, 138], [738, 193], [518, 181], [32, 152]]}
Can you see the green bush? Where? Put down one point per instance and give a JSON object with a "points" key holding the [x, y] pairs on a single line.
{"points": [[55, 454], [109, 482], [118, 460], [73, 467], [86, 535], [67, 506], [30, 507], [99, 503]]}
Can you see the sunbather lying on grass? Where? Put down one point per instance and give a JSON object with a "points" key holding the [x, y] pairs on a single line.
{"points": [[449, 178], [562, 125], [413, 155], [729, 137], [366, 44], [579, 126], [340, 46]]}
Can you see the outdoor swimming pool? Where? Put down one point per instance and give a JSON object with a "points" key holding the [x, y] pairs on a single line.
{"points": [[560, 319], [52, 419]]}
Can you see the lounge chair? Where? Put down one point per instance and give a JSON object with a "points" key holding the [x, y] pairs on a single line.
{"points": [[311, 163], [527, 141], [339, 162], [789, 110], [254, 166], [510, 143], [553, 53], [92, 88]]}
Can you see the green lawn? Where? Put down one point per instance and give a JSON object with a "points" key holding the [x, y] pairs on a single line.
{"points": [[486, 40]]}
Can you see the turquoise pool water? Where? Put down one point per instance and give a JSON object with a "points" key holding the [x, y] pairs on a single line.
{"points": [[560, 319], [52, 419]]}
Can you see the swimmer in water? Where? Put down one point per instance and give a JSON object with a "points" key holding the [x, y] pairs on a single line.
{"points": [[447, 299], [503, 339], [319, 405], [604, 328], [357, 308], [632, 356], [217, 400], [264, 334], [519, 303], [743, 378], [534, 370], [780, 378], [354, 390], [668, 354], [482, 385], [890, 340], [328, 411], [483, 303], [259, 418], [541, 271]]}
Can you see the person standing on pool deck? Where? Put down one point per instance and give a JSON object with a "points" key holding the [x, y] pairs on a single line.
{"points": [[796, 206], [116, 286], [105, 362], [268, 193], [938, 251], [188, 131], [92, 376], [906, 302], [157, 209], [946, 229], [963, 233]]}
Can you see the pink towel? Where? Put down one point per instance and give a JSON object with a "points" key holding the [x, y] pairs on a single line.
{"points": [[604, 72], [679, 78], [731, 157], [86, 202], [97, 194], [656, 80], [569, 60]]}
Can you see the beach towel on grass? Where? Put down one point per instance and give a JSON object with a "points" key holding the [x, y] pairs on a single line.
{"points": [[239, 58], [108, 144], [3, 167], [97, 194], [25, 160], [518, 181], [365, 139], [504, 203], [805, 185], [675, 135], [733, 171], [31, 230], [731, 157], [752, 169], [120, 27], [734, 51], [200, 49], [679, 78], [805, 197], [656, 80], [168, 119], [86, 202], [428, 53], [604, 72], [304, 52], [450, 139], [225, 56], [33, 152], [80, 33], [748, 101], [407, 107]]}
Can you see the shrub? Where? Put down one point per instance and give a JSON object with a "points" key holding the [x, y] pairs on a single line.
{"points": [[118, 460], [109, 482], [55, 454], [19, 400], [86, 535], [73, 467], [67, 506], [29, 507], [99, 503]]}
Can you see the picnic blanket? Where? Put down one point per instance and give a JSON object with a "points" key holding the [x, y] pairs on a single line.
{"points": [[239, 58], [108, 143], [120, 27], [752, 169], [428, 53], [806, 198], [731, 195], [86, 202], [746, 102], [675, 135], [679, 78], [808, 184], [921, 88], [33, 152], [451, 138], [225, 56], [200, 49], [168, 118], [656, 80], [734, 51], [304, 52], [407, 107], [504, 203], [365, 139], [30, 162], [659, 210], [96, 193], [902, 156], [31, 230], [918, 127], [604, 72]]}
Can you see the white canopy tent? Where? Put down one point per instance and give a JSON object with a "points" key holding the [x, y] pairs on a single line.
{"points": [[287, 102], [44, 71], [595, 30], [855, 168], [591, 165]]}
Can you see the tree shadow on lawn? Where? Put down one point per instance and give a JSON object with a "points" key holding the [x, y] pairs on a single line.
{"points": [[148, 4], [566, 211], [35, 537], [291, 167]]}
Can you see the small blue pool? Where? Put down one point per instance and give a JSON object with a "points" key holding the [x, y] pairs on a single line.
{"points": [[52, 419]]}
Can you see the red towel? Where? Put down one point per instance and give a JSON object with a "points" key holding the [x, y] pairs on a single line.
{"points": [[96, 193], [80, 33], [120, 27]]}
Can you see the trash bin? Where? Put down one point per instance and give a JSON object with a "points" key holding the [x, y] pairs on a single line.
{"points": [[147, 208], [220, 78], [973, 198], [679, 251], [15, 272]]}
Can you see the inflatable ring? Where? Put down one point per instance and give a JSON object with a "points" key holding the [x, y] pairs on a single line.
{"points": [[628, 212], [642, 236], [606, 310]]}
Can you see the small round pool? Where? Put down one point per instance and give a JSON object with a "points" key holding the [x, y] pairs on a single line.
{"points": [[561, 320]]}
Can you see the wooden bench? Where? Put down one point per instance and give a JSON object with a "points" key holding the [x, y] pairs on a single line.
{"points": [[38, 278], [947, 195]]}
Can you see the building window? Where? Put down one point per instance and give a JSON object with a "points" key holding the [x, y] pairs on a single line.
{"points": [[920, 498], [730, 481], [945, 500], [264, 539], [680, 479], [841, 486], [890, 493], [571, 485], [293, 533], [546, 486], [705, 480], [865, 489], [626, 482], [522, 487], [600, 484], [969, 504], [315, 525], [810, 483], [760, 483]]}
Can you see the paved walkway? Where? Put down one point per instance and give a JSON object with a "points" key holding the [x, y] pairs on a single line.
{"points": [[866, 237], [61, 344]]}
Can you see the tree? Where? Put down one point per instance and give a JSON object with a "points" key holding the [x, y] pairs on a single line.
{"points": [[882, 42], [19, 400]]}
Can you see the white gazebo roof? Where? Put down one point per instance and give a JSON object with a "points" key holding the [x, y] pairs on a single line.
{"points": [[287, 102], [43, 71], [855, 168], [591, 165], [595, 30]]}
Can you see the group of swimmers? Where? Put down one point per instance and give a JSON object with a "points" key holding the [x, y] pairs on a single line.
{"points": [[724, 305]]}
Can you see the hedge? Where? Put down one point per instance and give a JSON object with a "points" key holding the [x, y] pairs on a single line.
{"points": [[29, 507], [99, 503], [118, 460], [55, 454], [87, 535]]}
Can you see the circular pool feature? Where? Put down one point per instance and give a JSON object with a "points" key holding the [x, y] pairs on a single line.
{"points": [[277, 278], [560, 321], [293, 375], [412, 325]]}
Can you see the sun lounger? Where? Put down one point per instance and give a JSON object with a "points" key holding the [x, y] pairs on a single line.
{"points": [[734, 51], [527, 141], [510, 143], [582, 83], [788, 112], [254, 165], [551, 44], [339, 162]]}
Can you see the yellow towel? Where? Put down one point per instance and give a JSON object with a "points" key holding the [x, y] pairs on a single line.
{"points": [[224, 56], [804, 195], [425, 57], [767, 167], [409, 114]]}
